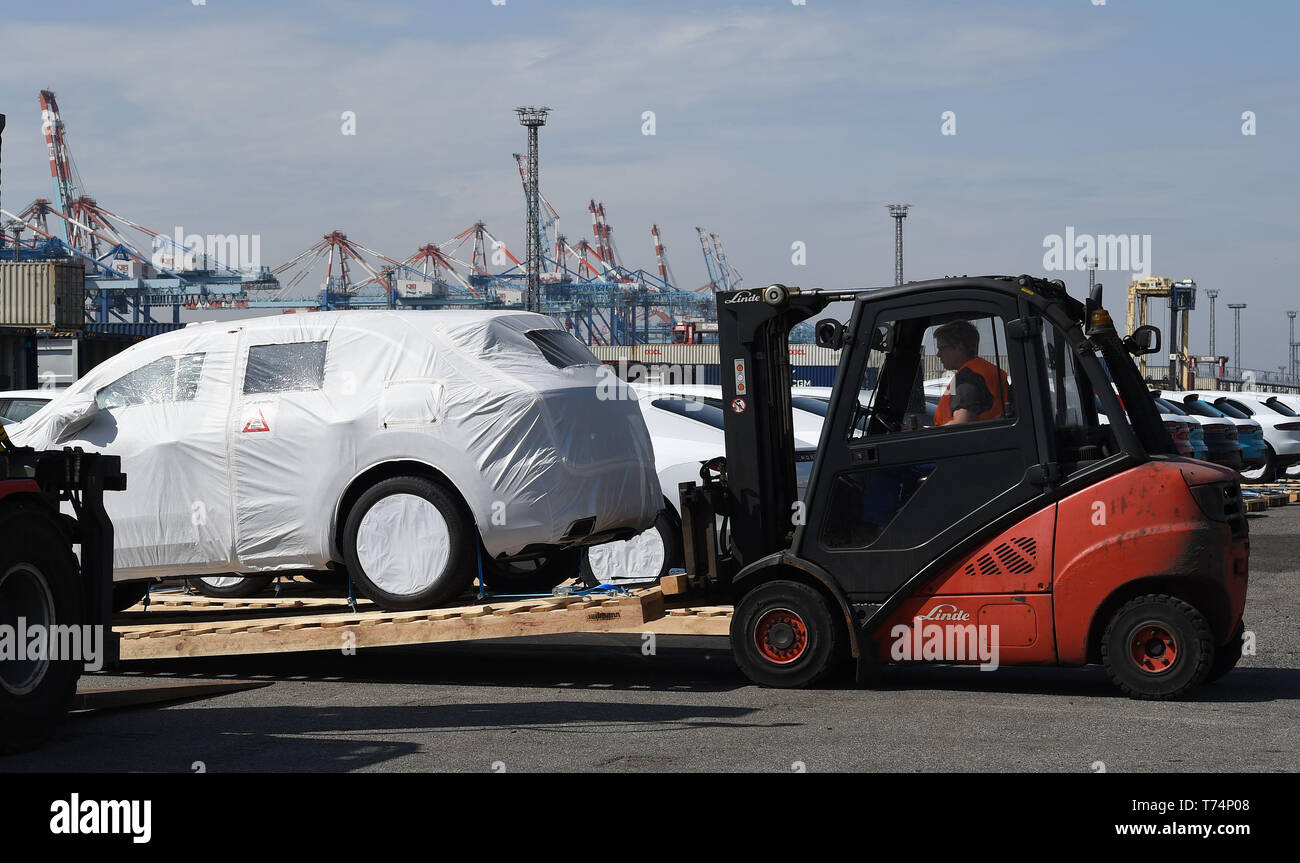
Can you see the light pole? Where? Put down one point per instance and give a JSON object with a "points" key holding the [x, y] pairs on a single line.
{"points": [[1236, 335], [533, 119], [899, 213], [1212, 294], [1290, 342]]}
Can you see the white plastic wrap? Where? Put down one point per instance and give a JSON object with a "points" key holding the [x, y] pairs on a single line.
{"points": [[235, 472], [640, 558], [403, 544]]}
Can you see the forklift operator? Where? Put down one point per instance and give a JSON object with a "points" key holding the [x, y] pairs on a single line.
{"points": [[977, 390]]}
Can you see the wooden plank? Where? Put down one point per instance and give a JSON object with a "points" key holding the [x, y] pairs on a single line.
{"points": [[673, 585], [325, 632]]}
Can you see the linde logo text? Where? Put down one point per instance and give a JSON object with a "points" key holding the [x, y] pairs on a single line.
{"points": [[945, 642]]}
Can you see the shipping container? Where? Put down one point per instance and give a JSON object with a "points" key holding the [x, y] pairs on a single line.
{"points": [[418, 288], [17, 360], [42, 294]]}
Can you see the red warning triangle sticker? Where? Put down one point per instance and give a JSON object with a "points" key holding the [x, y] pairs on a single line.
{"points": [[258, 424]]}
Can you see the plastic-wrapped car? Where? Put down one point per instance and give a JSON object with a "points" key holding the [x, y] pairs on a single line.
{"points": [[686, 429], [402, 444]]}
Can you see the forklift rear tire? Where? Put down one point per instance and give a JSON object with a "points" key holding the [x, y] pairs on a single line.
{"points": [[785, 634], [39, 582], [1157, 647], [232, 586], [1225, 657]]}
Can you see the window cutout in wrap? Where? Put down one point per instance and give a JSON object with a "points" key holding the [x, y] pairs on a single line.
{"points": [[293, 367], [166, 379], [561, 349]]}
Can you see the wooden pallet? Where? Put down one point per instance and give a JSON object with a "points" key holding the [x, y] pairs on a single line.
{"points": [[304, 631]]}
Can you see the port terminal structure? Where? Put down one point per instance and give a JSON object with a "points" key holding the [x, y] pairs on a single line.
{"points": [[136, 275]]}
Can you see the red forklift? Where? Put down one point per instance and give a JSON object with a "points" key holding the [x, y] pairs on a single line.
{"points": [[45, 588], [1029, 526]]}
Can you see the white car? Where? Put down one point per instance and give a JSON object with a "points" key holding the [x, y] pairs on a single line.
{"points": [[18, 405], [404, 445], [1280, 423], [686, 429]]}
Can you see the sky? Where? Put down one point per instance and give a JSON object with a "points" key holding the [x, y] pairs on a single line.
{"points": [[776, 123]]}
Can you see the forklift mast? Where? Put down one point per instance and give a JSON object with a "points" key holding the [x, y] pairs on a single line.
{"points": [[753, 352]]}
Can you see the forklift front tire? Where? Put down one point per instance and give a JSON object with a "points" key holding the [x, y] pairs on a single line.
{"points": [[1157, 647], [785, 634]]}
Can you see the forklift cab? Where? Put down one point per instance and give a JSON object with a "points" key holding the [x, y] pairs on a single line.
{"points": [[890, 495], [1013, 509]]}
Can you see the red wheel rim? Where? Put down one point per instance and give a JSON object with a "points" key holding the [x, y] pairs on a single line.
{"points": [[1153, 648], [781, 636]]}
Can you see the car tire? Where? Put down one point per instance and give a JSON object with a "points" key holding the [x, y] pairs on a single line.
{"points": [[232, 586], [659, 546], [505, 578], [1266, 473], [1157, 647], [431, 534], [128, 593], [327, 577], [39, 580], [1226, 656], [785, 634]]}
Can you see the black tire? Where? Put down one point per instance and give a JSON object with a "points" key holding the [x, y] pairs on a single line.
{"points": [[670, 538], [530, 576], [327, 577], [39, 578], [1157, 647], [1226, 656], [1270, 465], [458, 568], [128, 593], [785, 634], [248, 585]]}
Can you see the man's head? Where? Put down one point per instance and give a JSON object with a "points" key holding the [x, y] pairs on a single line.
{"points": [[957, 342]]}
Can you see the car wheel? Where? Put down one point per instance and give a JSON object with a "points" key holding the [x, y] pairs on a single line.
{"points": [[645, 558], [785, 634], [327, 577], [40, 583], [1157, 647], [539, 575], [1267, 473], [409, 545], [230, 586], [128, 593]]}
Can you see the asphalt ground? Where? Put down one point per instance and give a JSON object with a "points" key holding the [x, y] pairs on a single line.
{"points": [[598, 703]]}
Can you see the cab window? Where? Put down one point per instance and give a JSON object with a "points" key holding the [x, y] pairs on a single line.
{"points": [[934, 371]]}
